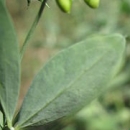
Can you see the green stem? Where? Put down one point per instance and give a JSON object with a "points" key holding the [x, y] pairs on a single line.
{"points": [[33, 27]]}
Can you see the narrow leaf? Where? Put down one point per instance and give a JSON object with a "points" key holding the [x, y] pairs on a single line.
{"points": [[9, 64], [1, 119], [72, 79]]}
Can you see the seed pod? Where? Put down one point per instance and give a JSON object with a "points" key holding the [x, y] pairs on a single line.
{"points": [[92, 3], [65, 5]]}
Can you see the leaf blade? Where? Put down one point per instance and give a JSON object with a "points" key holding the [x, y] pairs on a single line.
{"points": [[58, 82], [9, 64], [1, 119]]}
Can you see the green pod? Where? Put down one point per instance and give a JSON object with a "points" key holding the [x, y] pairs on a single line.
{"points": [[65, 5], [92, 3]]}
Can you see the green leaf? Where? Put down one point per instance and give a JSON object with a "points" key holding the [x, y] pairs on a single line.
{"points": [[72, 79], [9, 64], [1, 119]]}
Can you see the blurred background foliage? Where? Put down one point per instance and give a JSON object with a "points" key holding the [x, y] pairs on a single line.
{"points": [[57, 30]]}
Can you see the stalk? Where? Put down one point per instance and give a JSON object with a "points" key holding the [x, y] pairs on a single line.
{"points": [[32, 29]]}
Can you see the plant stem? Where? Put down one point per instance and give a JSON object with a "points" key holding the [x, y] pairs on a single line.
{"points": [[32, 29]]}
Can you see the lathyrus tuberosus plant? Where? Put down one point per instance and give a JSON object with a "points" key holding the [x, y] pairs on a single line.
{"points": [[67, 82]]}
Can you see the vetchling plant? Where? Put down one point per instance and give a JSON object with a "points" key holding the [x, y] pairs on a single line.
{"points": [[69, 81]]}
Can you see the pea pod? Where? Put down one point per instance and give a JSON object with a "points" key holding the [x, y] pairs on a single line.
{"points": [[92, 3], [65, 5]]}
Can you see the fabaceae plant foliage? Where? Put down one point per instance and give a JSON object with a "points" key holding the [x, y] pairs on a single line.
{"points": [[69, 81]]}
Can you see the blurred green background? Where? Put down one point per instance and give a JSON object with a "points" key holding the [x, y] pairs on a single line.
{"points": [[57, 30]]}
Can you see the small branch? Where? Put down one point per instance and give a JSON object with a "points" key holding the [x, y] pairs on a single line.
{"points": [[33, 27]]}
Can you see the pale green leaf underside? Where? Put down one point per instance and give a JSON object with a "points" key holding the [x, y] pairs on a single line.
{"points": [[1, 119], [9, 64], [71, 79]]}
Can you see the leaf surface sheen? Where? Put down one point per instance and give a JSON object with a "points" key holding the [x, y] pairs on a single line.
{"points": [[72, 79], [9, 64]]}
